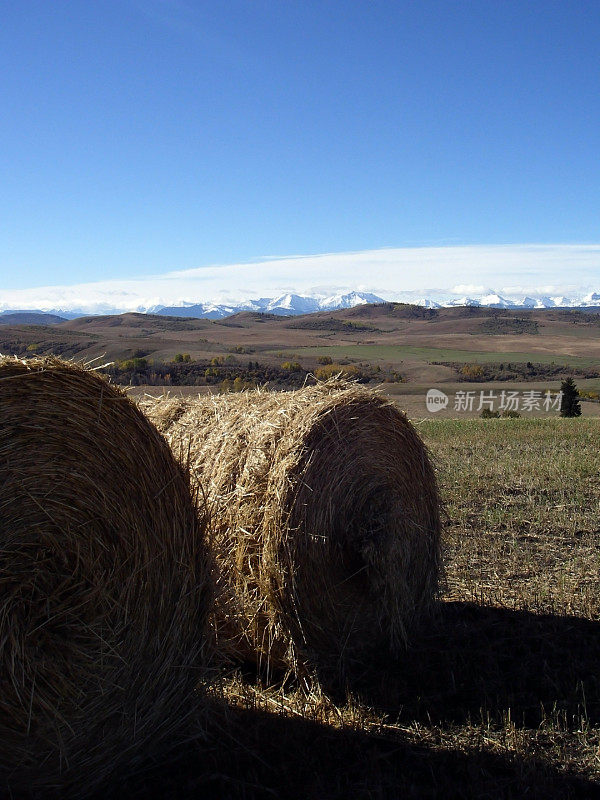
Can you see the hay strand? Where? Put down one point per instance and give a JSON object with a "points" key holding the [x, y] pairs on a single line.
{"points": [[105, 581], [326, 519]]}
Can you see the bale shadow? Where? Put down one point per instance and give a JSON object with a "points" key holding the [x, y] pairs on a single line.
{"points": [[252, 755], [473, 660], [470, 662]]}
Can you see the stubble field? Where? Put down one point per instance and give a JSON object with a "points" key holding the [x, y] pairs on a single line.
{"points": [[497, 696]]}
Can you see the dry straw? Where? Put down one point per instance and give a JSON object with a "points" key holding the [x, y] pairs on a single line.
{"points": [[325, 516], [104, 582]]}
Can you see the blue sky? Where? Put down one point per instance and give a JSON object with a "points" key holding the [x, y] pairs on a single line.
{"points": [[140, 137]]}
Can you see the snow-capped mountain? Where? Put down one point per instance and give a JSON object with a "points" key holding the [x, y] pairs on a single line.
{"points": [[461, 301], [536, 302], [196, 310], [592, 299], [291, 304], [287, 305], [348, 300], [58, 314]]}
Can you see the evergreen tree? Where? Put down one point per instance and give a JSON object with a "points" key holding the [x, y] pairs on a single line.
{"points": [[569, 404]]}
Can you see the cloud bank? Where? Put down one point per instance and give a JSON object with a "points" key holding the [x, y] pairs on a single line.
{"points": [[524, 269]]}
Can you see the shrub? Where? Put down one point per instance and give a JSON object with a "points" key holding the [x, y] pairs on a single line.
{"points": [[487, 413], [240, 349], [472, 372], [292, 366], [331, 370], [134, 364]]}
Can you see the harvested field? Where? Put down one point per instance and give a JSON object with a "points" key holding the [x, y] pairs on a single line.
{"points": [[499, 697], [105, 583], [326, 521]]}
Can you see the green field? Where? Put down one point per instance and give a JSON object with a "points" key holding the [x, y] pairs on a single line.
{"points": [[397, 353]]}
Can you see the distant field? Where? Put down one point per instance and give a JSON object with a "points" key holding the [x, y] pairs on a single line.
{"points": [[411, 398], [396, 339], [396, 353]]}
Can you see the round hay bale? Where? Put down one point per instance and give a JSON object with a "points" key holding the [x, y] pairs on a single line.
{"points": [[105, 582], [325, 516]]}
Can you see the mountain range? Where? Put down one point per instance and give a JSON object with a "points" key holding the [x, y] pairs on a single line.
{"points": [[294, 304]]}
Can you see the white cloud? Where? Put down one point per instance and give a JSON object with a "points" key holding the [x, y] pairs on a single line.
{"points": [[510, 269], [470, 288]]}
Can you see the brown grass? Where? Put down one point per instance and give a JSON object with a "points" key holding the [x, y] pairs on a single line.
{"points": [[104, 582], [326, 520]]}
